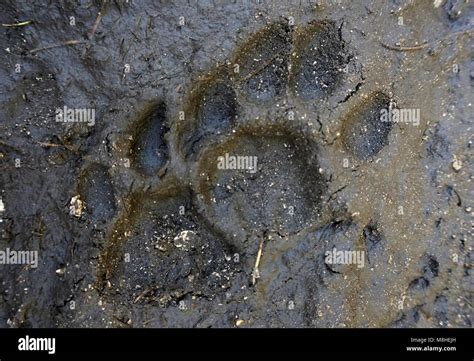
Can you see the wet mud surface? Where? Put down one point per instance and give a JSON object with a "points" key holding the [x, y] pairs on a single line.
{"points": [[136, 225]]}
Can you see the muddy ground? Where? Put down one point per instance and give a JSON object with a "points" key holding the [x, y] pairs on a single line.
{"points": [[134, 224]]}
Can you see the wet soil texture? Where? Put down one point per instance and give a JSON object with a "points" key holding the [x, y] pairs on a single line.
{"points": [[180, 164]]}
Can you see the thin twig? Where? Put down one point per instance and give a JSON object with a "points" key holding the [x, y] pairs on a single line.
{"points": [[425, 44], [262, 67], [66, 43], [405, 48], [55, 145], [147, 322], [94, 27], [47, 145], [143, 294]]}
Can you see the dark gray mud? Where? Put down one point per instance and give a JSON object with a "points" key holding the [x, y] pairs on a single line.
{"points": [[136, 226]]}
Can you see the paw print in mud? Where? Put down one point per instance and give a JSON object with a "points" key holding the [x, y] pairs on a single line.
{"points": [[242, 186]]}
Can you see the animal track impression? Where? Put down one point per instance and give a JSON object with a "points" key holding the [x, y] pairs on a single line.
{"points": [[253, 107], [246, 164]]}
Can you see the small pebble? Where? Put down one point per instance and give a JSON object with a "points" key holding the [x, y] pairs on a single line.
{"points": [[457, 164]]}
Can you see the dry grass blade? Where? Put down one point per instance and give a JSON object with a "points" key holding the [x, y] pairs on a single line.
{"points": [[97, 20], [66, 43], [23, 23], [255, 273], [425, 44]]}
